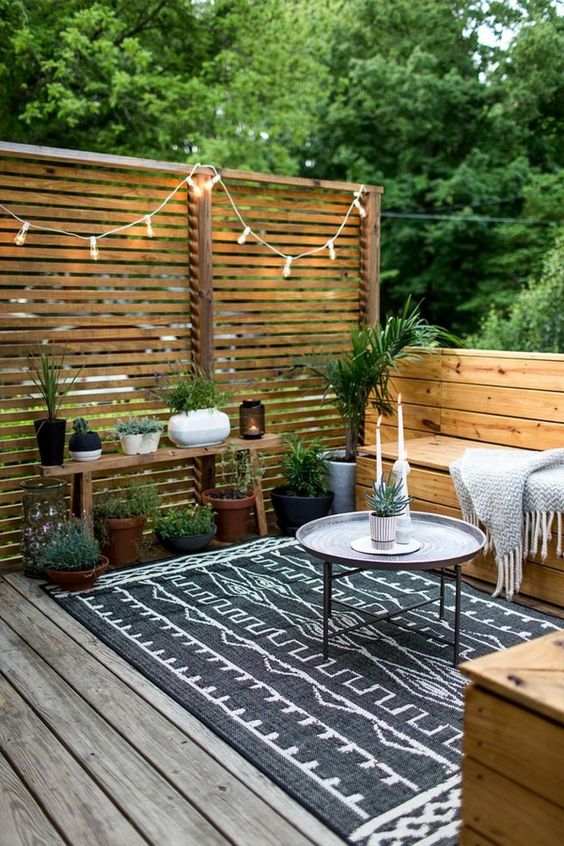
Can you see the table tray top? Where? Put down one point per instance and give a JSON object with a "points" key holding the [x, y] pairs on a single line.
{"points": [[444, 541]]}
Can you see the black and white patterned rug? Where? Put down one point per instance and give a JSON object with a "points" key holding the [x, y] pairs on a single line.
{"points": [[369, 741]]}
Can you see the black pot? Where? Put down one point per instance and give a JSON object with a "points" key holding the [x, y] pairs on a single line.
{"points": [[294, 511], [50, 436], [89, 442], [187, 543]]}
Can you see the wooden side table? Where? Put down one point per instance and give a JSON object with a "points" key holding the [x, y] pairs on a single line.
{"points": [[513, 773], [81, 472]]}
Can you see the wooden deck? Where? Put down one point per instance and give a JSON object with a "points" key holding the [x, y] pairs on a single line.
{"points": [[92, 753]]}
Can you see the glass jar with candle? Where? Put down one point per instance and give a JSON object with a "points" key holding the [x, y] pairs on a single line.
{"points": [[251, 419], [44, 509]]}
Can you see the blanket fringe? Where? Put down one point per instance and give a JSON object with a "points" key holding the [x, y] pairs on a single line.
{"points": [[536, 535]]}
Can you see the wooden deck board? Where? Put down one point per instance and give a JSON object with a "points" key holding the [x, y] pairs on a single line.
{"points": [[22, 819], [241, 804]]}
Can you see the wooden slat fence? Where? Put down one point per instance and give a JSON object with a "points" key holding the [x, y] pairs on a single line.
{"points": [[191, 293]]}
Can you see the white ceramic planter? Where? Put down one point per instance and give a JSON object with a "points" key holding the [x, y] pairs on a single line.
{"points": [[341, 476], [382, 531], [85, 455], [204, 427], [131, 444], [149, 442]]}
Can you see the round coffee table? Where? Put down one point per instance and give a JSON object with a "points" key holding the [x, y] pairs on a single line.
{"points": [[445, 542]]}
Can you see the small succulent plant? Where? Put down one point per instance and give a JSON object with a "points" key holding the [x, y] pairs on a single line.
{"points": [[387, 499]]}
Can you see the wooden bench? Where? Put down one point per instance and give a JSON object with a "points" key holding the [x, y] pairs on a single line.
{"points": [[456, 399]]}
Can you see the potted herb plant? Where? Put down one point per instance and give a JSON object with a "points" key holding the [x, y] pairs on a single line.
{"points": [[53, 382], [138, 435], [233, 501], [193, 398], [188, 529], [120, 518], [386, 502], [362, 375], [71, 557], [84, 444], [305, 495]]}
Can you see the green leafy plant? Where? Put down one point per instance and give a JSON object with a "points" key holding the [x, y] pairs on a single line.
{"points": [[362, 374], [304, 467], [136, 500], [136, 426], [191, 520], [70, 548], [237, 473], [80, 426], [387, 498], [188, 389], [52, 380]]}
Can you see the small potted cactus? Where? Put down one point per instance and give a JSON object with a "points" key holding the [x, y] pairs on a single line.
{"points": [[84, 444], [387, 502], [138, 435]]}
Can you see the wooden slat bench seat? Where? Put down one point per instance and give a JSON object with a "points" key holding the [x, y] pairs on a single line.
{"points": [[518, 402]]}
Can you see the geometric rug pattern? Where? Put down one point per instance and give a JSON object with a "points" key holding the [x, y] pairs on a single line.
{"points": [[369, 740]]}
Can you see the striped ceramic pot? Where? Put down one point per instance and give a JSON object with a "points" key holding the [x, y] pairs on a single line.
{"points": [[382, 531]]}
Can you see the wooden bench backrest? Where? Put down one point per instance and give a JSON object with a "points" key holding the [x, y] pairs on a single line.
{"points": [[509, 398]]}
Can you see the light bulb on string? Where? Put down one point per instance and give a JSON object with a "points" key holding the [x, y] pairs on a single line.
{"points": [[21, 236], [332, 251], [194, 186], [213, 181], [287, 272], [150, 230], [360, 207], [244, 235], [94, 252]]}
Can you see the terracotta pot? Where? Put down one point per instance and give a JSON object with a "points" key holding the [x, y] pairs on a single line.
{"points": [[123, 540], [231, 515], [77, 579]]}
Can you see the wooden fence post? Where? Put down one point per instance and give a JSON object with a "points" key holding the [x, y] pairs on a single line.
{"points": [[200, 258], [369, 300]]}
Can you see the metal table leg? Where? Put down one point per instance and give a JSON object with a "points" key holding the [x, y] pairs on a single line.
{"points": [[442, 596], [457, 598], [327, 584]]}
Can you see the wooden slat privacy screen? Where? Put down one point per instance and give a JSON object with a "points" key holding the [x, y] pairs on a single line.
{"points": [[191, 292]]}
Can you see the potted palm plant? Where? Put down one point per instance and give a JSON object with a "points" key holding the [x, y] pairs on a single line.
{"points": [[305, 495], [138, 435], [53, 382], [71, 557], [84, 444], [387, 502], [362, 375], [193, 398], [186, 530], [233, 501], [120, 518]]}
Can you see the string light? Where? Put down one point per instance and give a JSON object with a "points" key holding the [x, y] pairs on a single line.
{"points": [[287, 272], [21, 236], [197, 191], [244, 235]]}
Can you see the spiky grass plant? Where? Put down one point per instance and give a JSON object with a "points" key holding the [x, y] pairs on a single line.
{"points": [[48, 374]]}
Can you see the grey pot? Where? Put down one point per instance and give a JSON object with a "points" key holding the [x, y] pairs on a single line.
{"points": [[341, 478]]}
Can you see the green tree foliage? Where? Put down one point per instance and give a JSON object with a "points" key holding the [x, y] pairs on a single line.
{"points": [[536, 318]]}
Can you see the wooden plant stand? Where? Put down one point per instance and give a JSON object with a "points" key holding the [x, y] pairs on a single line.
{"points": [[81, 471]]}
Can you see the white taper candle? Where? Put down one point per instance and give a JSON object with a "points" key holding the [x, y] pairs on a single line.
{"points": [[401, 444], [378, 451]]}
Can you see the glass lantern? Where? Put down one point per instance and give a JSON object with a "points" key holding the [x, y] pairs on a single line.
{"points": [[43, 510], [251, 419]]}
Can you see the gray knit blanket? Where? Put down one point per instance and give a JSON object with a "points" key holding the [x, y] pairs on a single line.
{"points": [[516, 496]]}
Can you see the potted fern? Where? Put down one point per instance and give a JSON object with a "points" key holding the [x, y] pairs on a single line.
{"points": [[186, 530], [53, 382], [71, 557], [120, 518], [84, 444], [234, 500], [193, 398], [305, 494], [386, 502], [362, 375]]}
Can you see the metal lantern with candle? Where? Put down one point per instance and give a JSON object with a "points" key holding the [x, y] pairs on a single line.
{"points": [[251, 419]]}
